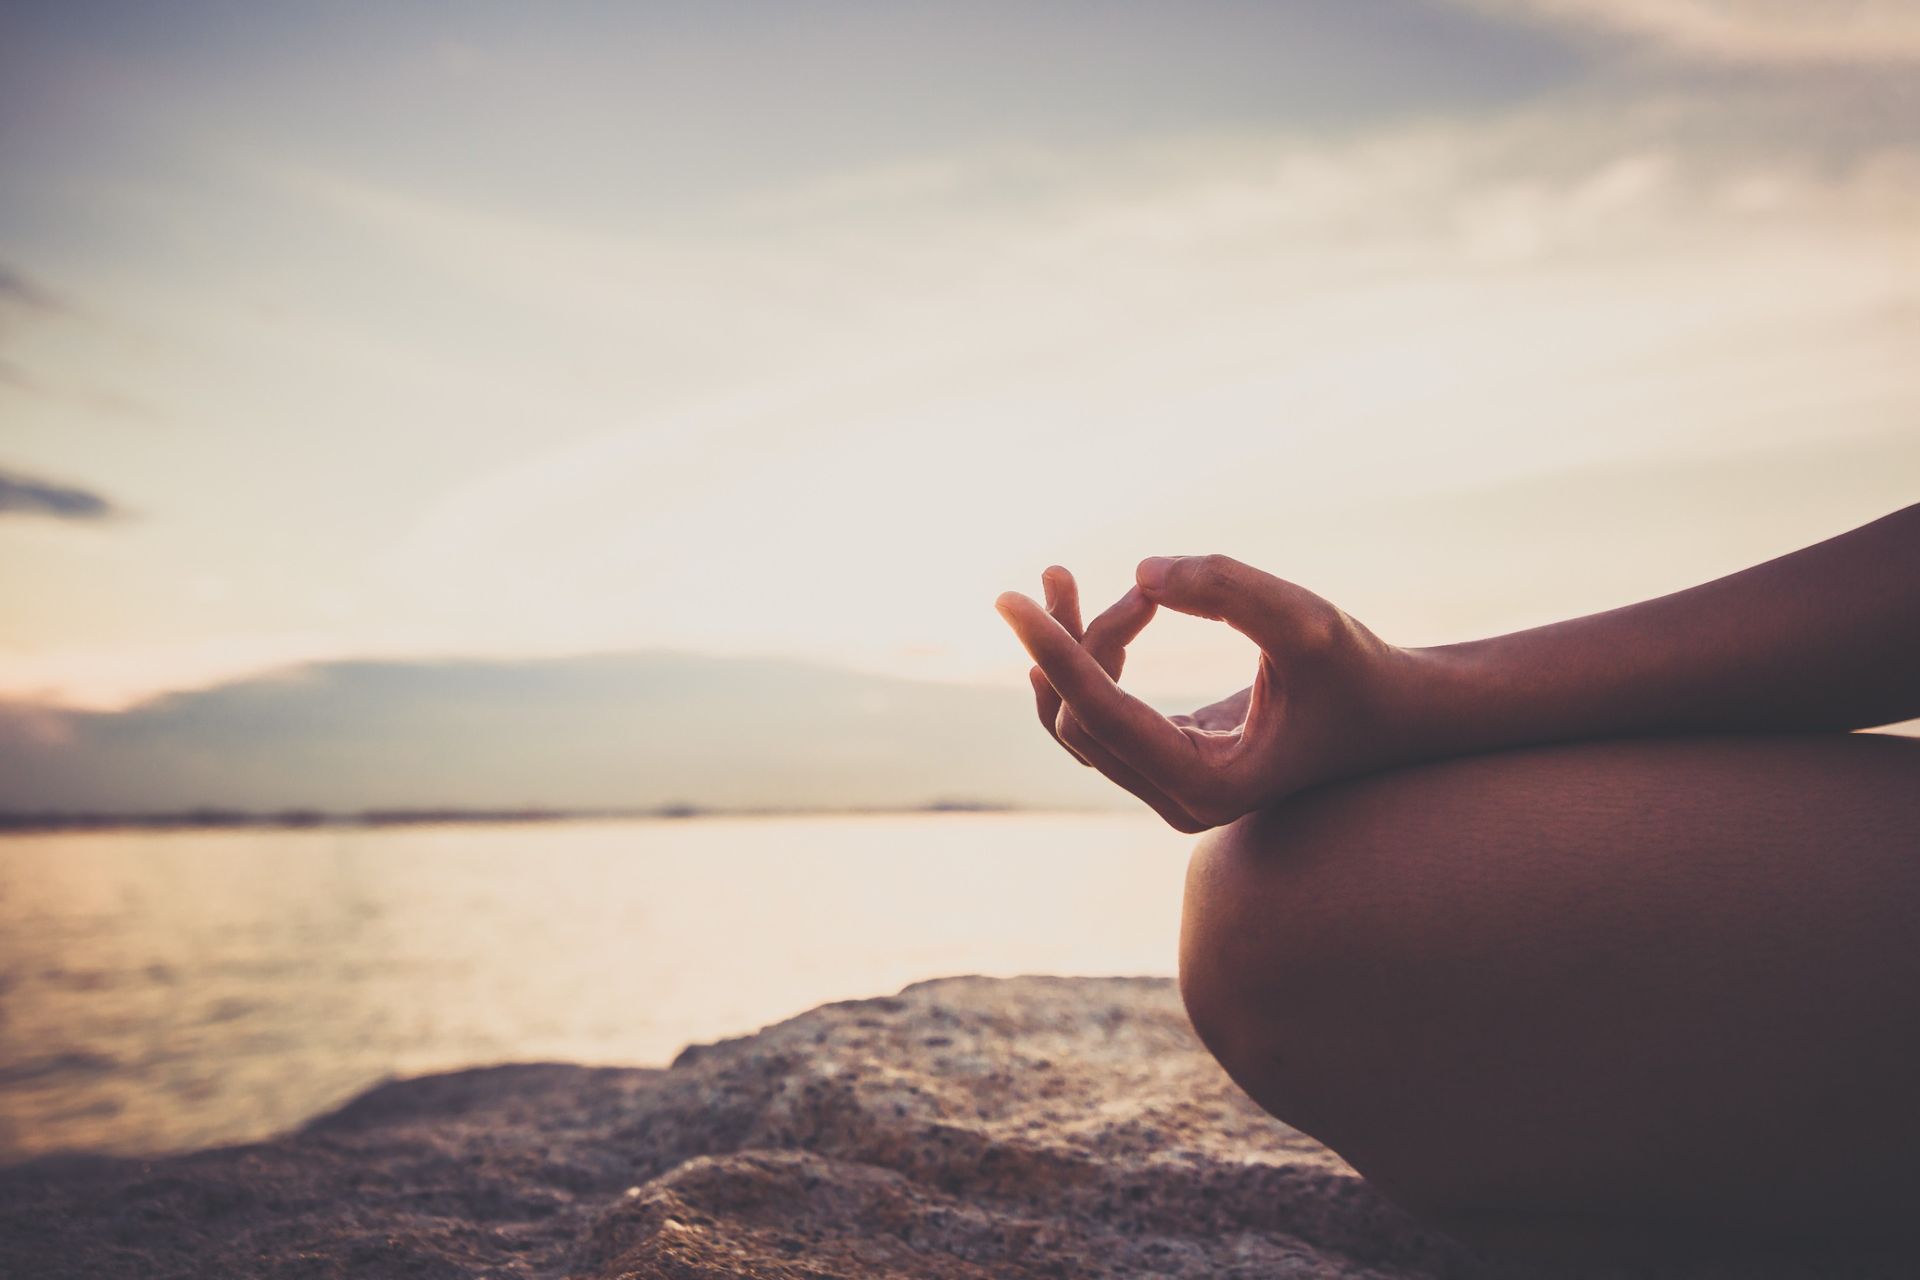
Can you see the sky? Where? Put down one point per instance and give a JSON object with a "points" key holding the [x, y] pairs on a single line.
{"points": [[802, 331]]}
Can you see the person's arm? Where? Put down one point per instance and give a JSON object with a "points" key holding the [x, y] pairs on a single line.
{"points": [[1825, 638]]}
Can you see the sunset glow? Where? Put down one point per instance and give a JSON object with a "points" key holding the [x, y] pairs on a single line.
{"points": [[569, 333]]}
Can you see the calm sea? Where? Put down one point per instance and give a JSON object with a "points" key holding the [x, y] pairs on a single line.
{"points": [[165, 990]]}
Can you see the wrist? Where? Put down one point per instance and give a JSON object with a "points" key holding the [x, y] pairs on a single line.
{"points": [[1446, 702]]}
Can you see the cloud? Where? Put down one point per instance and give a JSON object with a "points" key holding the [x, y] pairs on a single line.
{"points": [[19, 290], [1781, 32], [832, 417], [25, 496], [1391, 313]]}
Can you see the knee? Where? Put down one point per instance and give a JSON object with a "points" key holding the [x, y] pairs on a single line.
{"points": [[1254, 959], [1290, 968], [1213, 979]]}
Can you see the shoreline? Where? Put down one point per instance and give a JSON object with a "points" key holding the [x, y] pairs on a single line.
{"points": [[965, 1128], [302, 819]]}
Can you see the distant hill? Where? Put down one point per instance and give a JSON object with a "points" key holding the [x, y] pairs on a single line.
{"points": [[613, 731]]}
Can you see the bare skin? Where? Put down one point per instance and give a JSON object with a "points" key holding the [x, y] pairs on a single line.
{"points": [[1595, 933]]}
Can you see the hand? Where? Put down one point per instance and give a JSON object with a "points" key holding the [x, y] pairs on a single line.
{"points": [[1327, 699], [1106, 642]]}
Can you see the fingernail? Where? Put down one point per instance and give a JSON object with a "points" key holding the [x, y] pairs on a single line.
{"points": [[1152, 573], [1047, 588]]}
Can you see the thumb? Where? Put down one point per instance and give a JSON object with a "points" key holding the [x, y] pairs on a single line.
{"points": [[1258, 605]]}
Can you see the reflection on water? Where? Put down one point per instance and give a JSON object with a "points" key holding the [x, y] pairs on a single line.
{"points": [[169, 990]]}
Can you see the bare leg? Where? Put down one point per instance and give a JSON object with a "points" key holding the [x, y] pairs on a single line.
{"points": [[1606, 989]]}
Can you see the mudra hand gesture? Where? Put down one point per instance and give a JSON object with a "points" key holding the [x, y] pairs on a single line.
{"points": [[1327, 700]]}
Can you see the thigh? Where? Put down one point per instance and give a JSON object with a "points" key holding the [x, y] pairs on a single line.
{"points": [[1669, 980]]}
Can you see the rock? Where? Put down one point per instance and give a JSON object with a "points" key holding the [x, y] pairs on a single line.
{"points": [[1034, 1127]]}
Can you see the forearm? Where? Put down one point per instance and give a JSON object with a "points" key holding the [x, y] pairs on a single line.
{"points": [[1825, 638]]}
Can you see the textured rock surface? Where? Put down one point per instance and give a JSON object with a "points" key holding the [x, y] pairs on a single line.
{"points": [[965, 1128]]}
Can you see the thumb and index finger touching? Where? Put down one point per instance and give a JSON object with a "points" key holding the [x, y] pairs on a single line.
{"points": [[1256, 604], [1079, 666], [1213, 586]]}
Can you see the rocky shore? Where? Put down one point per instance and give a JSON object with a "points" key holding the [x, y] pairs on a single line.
{"points": [[969, 1127]]}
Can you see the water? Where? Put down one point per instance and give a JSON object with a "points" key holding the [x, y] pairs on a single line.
{"points": [[166, 990]]}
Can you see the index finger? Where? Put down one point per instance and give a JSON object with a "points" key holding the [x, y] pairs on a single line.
{"points": [[1120, 722], [1108, 635]]}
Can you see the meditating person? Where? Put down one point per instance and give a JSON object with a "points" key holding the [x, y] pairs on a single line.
{"points": [[1602, 932]]}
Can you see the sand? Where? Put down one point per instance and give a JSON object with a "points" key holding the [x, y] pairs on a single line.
{"points": [[969, 1127]]}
